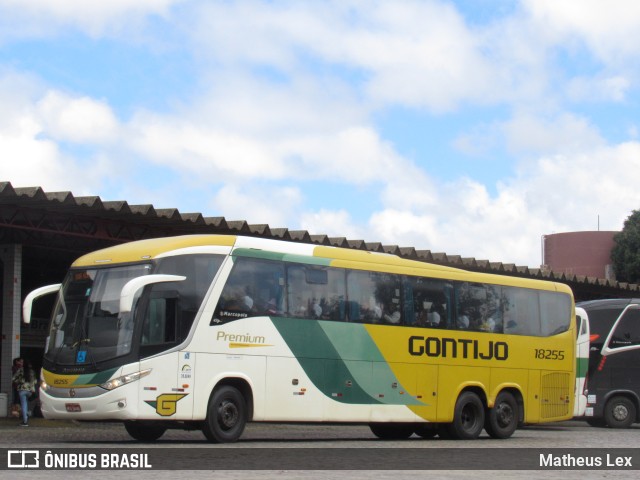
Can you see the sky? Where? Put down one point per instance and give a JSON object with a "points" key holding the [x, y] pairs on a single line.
{"points": [[470, 127]]}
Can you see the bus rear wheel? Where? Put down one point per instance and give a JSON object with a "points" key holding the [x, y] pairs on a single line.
{"points": [[468, 417], [226, 415], [502, 419], [619, 412], [392, 431], [142, 432]]}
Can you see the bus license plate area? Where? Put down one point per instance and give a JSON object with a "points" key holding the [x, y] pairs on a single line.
{"points": [[72, 407]]}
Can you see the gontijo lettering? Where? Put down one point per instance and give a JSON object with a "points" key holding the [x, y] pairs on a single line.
{"points": [[458, 348]]}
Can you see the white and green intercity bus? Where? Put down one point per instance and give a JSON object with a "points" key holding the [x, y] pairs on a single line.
{"points": [[213, 331]]}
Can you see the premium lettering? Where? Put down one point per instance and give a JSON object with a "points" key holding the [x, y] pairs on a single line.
{"points": [[458, 348], [234, 337]]}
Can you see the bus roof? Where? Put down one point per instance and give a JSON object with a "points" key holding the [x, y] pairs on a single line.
{"points": [[149, 249], [141, 250]]}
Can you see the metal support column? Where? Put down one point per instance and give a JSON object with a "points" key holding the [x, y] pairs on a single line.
{"points": [[11, 258]]}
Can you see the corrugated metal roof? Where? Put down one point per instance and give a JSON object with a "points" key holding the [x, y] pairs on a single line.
{"points": [[172, 221]]}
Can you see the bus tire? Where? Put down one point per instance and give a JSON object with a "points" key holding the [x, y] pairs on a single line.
{"points": [[226, 415], [144, 433], [427, 430], [619, 412], [392, 431], [596, 422], [468, 417], [502, 419]]}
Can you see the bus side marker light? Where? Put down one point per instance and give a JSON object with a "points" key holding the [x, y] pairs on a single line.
{"points": [[602, 362]]}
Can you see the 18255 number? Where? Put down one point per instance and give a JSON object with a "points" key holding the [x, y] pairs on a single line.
{"points": [[543, 354]]}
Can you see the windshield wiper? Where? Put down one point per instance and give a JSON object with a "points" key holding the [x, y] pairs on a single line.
{"points": [[80, 342]]}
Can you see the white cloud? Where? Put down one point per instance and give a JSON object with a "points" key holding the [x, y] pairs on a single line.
{"points": [[243, 129], [598, 89], [201, 150], [553, 194], [258, 204], [289, 92], [334, 223], [34, 120], [527, 133], [43, 17], [418, 54], [78, 120], [406, 52], [608, 29], [27, 160]]}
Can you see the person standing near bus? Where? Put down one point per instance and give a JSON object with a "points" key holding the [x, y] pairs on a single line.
{"points": [[24, 380]]}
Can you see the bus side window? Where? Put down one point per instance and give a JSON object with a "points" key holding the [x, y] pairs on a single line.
{"points": [[188, 295], [254, 287], [161, 320], [555, 313], [429, 302], [601, 321], [479, 307], [362, 305], [627, 332], [521, 314], [315, 292], [374, 297]]}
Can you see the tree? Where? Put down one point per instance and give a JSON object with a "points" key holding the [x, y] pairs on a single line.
{"points": [[625, 254]]}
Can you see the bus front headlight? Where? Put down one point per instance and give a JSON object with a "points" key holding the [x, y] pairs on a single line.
{"points": [[124, 379]]}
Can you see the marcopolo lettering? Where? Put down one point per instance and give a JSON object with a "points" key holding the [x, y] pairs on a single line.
{"points": [[458, 348]]}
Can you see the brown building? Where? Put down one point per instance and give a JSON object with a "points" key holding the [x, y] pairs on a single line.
{"points": [[579, 253]]}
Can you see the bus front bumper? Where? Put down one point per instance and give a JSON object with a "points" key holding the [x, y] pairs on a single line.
{"points": [[89, 403]]}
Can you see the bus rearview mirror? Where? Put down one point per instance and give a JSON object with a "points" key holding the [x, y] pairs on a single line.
{"points": [[131, 288]]}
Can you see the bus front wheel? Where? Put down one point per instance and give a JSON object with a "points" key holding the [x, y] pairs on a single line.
{"points": [[502, 419], [468, 417], [142, 432], [226, 415], [619, 412]]}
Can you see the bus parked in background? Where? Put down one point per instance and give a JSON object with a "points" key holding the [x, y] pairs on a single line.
{"points": [[582, 361], [613, 378], [211, 331]]}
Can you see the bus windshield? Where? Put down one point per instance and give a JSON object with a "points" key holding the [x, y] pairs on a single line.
{"points": [[87, 325]]}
